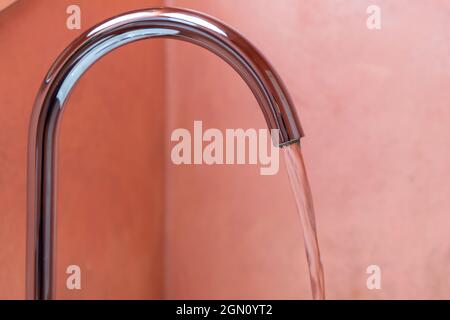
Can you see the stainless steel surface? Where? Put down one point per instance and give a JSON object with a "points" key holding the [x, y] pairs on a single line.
{"points": [[180, 24]]}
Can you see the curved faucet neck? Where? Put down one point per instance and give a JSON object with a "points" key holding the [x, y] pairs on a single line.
{"points": [[180, 24]]}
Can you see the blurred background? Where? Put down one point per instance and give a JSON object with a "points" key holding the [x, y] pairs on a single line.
{"points": [[375, 108]]}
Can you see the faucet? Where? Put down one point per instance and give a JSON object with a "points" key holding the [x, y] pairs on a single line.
{"points": [[173, 23]]}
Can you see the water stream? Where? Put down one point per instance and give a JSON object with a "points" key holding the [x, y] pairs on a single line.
{"points": [[303, 198]]}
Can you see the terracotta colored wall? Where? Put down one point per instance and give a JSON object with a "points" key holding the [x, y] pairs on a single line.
{"points": [[111, 160], [374, 105]]}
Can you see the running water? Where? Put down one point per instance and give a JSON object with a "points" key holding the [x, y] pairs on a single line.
{"points": [[303, 198]]}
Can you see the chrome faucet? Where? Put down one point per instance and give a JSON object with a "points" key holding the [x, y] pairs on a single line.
{"points": [[181, 24]]}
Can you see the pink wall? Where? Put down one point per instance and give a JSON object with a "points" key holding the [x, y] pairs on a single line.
{"points": [[374, 105]]}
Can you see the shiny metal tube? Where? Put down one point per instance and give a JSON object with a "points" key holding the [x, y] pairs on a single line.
{"points": [[180, 24]]}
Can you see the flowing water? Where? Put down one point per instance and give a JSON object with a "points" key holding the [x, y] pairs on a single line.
{"points": [[303, 198]]}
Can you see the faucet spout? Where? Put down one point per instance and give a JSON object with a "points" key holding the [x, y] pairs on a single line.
{"points": [[181, 24]]}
